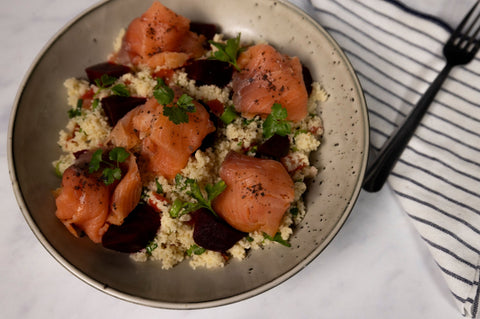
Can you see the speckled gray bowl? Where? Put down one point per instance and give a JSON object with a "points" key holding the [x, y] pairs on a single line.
{"points": [[40, 112]]}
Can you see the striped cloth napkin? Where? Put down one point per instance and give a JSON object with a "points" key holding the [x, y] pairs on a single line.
{"points": [[397, 54]]}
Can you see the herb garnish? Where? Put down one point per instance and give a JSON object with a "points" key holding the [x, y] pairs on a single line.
{"points": [[76, 111], [180, 207], [229, 115], [159, 186], [176, 113], [276, 122], [151, 246], [112, 172], [294, 211], [227, 52], [162, 93], [277, 238], [120, 90], [107, 82], [195, 250], [57, 169]]}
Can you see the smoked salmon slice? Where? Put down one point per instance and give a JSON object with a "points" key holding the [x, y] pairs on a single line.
{"points": [[258, 193], [164, 146], [161, 38], [127, 194], [86, 203], [123, 133], [83, 202], [267, 77]]}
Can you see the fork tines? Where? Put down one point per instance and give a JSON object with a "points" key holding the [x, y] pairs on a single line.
{"points": [[464, 37]]}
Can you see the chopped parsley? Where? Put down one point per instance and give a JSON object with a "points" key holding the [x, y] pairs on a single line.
{"points": [[57, 169], [229, 115], [105, 81], [176, 113], [276, 122], [159, 186], [195, 250], [95, 104], [151, 246], [277, 238], [294, 211], [192, 188], [227, 52], [120, 90], [162, 93], [76, 111], [112, 172]]}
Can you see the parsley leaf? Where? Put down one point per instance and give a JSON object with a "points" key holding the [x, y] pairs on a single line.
{"points": [[277, 238], [151, 246], [94, 164], [112, 172], [162, 93], [159, 186], [180, 208], [276, 122], [175, 114], [185, 102], [57, 169], [105, 81], [229, 115], [109, 175], [227, 52], [120, 90], [95, 104], [178, 114], [195, 250], [76, 111], [118, 154]]}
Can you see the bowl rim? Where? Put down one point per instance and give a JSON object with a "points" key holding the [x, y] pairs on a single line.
{"points": [[184, 305]]}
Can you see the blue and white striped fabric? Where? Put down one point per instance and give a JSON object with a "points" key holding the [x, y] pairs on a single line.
{"points": [[397, 55]]}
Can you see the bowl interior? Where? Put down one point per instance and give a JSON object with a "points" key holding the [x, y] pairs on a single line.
{"points": [[41, 111]]}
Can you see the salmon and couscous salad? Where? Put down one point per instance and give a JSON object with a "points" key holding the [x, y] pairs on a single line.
{"points": [[187, 145]]}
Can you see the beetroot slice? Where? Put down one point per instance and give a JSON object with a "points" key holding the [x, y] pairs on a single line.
{"points": [[116, 106], [210, 72], [276, 146], [307, 79], [207, 29], [213, 233], [96, 71], [137, 230]]}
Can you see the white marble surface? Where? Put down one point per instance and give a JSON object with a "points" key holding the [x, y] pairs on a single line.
{"points": [[376, 267]]}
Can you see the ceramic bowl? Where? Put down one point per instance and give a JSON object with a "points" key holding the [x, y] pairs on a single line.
{"points": [[40, 112]]}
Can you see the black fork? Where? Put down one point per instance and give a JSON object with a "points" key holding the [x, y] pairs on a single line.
{"points": [[460, 49]]}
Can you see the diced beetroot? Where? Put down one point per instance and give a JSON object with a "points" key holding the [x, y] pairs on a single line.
{"points": [[77, 154], [213, 233], [208, 141], [216, 107], [137, 230], [276, 146], [207, 29], [115, 70], [116, 106], [208, 72], [307, 79]]}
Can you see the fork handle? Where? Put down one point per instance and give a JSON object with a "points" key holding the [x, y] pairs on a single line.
{"points": [[379, 169]]}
